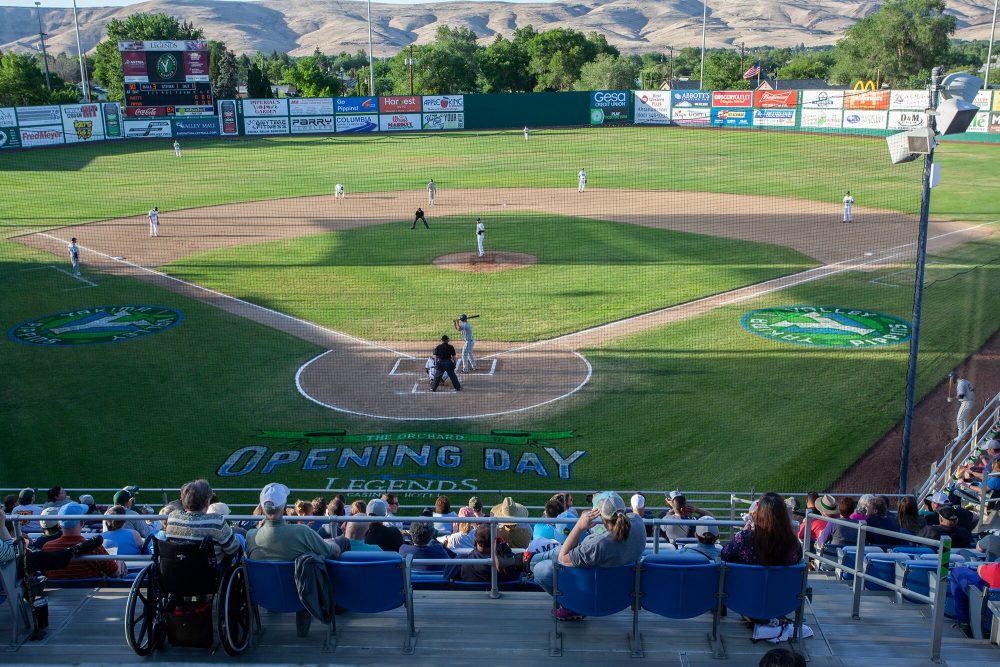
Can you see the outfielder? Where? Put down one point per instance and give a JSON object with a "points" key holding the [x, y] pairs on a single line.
{"points": [[154, 222], [177, 148], [848, 203], [525, 132], [432, 190], [74, 256], [338, 191], [463, 325], [480, 236], [966, 395], [582, 176]]}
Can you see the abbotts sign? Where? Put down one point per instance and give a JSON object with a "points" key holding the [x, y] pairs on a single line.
{"points": [[100, 324], [827, 326]]}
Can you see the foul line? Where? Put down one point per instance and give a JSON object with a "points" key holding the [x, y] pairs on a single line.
{"points": [[73, 276], [264, 309]]}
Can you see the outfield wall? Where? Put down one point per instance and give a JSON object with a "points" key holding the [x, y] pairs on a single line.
{"points": [[873, 113]]}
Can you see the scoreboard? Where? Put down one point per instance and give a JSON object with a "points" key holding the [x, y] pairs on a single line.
{"points": [[168, 94], [166, 78]]}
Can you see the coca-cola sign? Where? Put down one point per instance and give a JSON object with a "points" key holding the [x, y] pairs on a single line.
{"points": [[145, 112]]}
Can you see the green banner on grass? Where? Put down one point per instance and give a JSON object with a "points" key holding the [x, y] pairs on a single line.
{"points": [[501, 437]]}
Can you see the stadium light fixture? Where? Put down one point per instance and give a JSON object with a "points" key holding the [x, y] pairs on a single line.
{"points": [[41, 36]]}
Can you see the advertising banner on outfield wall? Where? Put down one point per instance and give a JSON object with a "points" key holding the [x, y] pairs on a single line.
{"points": [[313, 124], [449, 103], [206, 126], [865, 120], [996, 102], [399, 122], [358, 123], [265, 125], [229, 127], [8, 117], [774, 117], [870, 100], [609, 99], [907, 99], [732, 98], [311, 106], [776, 99], [82, 122], [690, 98], [982, 99], [700, 116], [31, 116], [652, 107], [41, 136], [994, 122], [732, 117], [822, 118], [9, 138], [981, 123], [399, 104], [356, 104], [255, 108], [112, 120], [147, 129], [907, 120], [444, 121], [823, 99]]}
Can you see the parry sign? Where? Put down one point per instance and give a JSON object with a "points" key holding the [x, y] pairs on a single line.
{"points": [[652, 107], [312, 124]]}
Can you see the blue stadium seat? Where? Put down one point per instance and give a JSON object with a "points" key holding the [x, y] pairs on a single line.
{"points": [[680, 585], [984, 613], [597, 591], [762, 592], [846, 556], [272, 585], [883, 567], [913, 551], [370, 582], [913, 576]]}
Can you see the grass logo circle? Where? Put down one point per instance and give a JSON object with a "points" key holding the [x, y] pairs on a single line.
{"points": [[166, 66], [100, 324], [827, 326]]}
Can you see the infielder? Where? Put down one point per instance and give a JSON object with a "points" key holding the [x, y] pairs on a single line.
{"points": [[582, 176], [154, 222], [74, 256], [338, 191], [463, 325], [848, 203], [480, 236], [966, 395], [432, 190], [177, 148], [525, 132], [419, 215]]}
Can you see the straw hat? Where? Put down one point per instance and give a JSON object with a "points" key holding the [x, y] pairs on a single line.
{"points": [[508, 508]]}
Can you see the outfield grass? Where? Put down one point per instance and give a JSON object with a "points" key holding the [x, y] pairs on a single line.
{"points": [[378, 282]]}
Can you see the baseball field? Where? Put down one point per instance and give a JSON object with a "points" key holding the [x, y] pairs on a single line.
{"points": [[698, 318]]}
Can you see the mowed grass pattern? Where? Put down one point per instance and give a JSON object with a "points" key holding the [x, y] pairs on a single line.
{"points": [[379, 282]]}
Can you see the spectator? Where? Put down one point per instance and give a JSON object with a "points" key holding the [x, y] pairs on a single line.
{"points": [[835, 535], [990, 477], [782, 657], [878, 517], [811, 499], [195, 524], [118, 538], [222, 509], [88, 500], [385, 537], [562, 530], [638, 504], [553, 508], [278, 540], [989, 545], [480, 550], [825, 506], [71, 537], [392, 503], [318, 506], [126, 498], [959, 580], [908, 516], [356, 532], [477, 506], [330, 529], [948, 526], [56, 497], [464, 535], [622, 543], [707, 535], [50, 529], [25, 507], [9, 503], [516, 536], [424, 546], [442, 508], [359, 507], [941, 499], [679, 509], [769, 541]]}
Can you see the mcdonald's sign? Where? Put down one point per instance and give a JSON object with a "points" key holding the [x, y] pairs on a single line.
{"points": [[864, 85], [866, 96]]}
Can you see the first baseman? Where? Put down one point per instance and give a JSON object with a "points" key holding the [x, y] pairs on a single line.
{"points": [[582, 177], [480, 236], [177, 148], [74, 256], [848, 203], [463, 325], [154, 222], [432, 190]]}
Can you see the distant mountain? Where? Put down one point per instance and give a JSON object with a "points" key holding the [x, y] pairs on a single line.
{"points": [[634, 26]]}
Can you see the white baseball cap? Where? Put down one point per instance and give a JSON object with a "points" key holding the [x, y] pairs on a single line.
{"points": [[275, 493], [707, 528], [637, 500], [376, 507], [219, 508]]}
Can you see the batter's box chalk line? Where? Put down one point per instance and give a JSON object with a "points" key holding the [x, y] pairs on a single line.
{"points": [[481, 371]]}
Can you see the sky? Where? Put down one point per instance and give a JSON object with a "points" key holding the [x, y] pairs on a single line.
{"points": [[121, 3]]}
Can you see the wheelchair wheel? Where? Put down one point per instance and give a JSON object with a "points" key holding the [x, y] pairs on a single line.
{"points": [[234, 614], [143, 625]]}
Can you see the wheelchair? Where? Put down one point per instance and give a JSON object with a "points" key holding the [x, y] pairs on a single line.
{"points": [[186, 598]]}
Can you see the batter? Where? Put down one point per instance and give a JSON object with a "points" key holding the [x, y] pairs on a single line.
{"points": [[463, 325]]}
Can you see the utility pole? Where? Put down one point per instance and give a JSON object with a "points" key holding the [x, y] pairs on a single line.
{"points": [[989, 50], [741, 56], [79, 49], [409, 61], [704, 24], [371, 62], [670, 75], [41, 35]]}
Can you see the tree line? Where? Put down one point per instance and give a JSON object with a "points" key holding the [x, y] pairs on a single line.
{"points": [[897, 45]]}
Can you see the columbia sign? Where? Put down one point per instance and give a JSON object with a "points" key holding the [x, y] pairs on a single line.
{"points": [[101, 324], [603, 99], [827, 326]]}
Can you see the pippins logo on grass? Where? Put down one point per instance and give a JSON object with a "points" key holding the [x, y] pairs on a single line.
{"points": [[827, 326], [100, 324]]}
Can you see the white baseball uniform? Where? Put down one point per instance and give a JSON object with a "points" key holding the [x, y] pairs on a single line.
{"points": [[480, 236], [431, 368], [468, 360], [154, 222], [432, 190], [74, 258], [583, 180], [177, 148], [525, 132], [338, 190], [848, 203], [966, 404]]}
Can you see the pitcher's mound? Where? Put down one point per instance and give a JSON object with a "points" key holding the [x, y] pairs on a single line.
{"points": [[493, 261]]}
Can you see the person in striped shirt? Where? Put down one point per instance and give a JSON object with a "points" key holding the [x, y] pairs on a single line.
{"points": [[195, 523]]}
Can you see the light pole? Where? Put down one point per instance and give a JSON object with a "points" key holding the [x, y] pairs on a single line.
{"points": [[411, 62], [704, 24], [989, 50], [41, 35], [371, 62], [79, 49]]}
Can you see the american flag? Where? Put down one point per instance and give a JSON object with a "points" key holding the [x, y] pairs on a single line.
{"points": [[752, 72]]}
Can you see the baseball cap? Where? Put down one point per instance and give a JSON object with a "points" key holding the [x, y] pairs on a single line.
{"points": [[47, 525], [275, 493], [26, 495], [87, 499], [637, 500], [219, 508], [475, 503], [463, 317], [123, 496], [707, 528], [72, 508], [948, 513], [993, 444], [670, 495], [941, 498], [609, 502], [376, 507]]}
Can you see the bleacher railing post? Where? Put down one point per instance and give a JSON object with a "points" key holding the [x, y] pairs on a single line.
{"points": [[940, 597], [858, 583], [494, 585]]}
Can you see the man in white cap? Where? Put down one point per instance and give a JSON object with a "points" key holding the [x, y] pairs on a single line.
{"points": [[940, 501], [386, 537], [638, 504], [707, 534]]}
